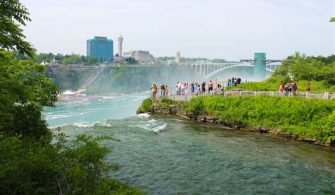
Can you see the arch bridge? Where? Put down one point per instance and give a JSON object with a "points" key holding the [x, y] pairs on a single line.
{"points": [[208, 70], [258, 67]]}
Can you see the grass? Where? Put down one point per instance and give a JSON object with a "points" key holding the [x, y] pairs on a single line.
{"points": [[304, 118]]}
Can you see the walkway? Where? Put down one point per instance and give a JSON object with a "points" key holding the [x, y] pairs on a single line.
{"points": [[326, 95], [90, 80]]}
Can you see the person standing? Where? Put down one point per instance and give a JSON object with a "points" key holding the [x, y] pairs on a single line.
{"points": [[192, 88], [154, 91], [281, 87], [294, 88], [210, 87], [166, 91], [179, 88], [203, 87], [199, 90], [287, 89], [308, 87], [162, 90]]}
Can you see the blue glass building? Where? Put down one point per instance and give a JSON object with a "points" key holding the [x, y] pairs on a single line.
{"points": [[101, 48]]}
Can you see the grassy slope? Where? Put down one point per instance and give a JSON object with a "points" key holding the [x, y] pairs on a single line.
{"points": [[309, 119]]}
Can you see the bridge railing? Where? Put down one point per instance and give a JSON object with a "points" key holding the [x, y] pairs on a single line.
{"points": [[187, 95]]}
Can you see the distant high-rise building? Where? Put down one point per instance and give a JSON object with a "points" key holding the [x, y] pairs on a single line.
{"points": [[120, 42], [101, 48], [178, 57]]}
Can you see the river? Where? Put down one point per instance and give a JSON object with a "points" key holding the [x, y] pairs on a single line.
{"points": [[172, 156]]}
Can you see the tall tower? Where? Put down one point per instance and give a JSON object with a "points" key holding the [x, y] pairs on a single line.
{"points": [[260, 66], [120, 42], [178, 57]]}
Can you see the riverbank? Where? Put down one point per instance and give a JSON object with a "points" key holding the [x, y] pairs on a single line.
{"points": [[308, 120]]}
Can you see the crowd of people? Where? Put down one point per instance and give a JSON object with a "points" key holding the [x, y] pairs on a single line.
{"points": [[290, 89], [164, 89], [234, 81], [195, 88], [216, 87]]}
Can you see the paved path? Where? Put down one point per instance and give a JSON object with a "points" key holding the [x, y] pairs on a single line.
{"points": [[187, 97]]}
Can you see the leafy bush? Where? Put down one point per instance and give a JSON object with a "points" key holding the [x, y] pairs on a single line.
{"points": [[195, 106], [146, 106], [166, 101], [24, 92], [76, 167]]}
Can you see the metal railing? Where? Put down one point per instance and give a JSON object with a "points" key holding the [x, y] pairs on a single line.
{"points": [[186, 95]]}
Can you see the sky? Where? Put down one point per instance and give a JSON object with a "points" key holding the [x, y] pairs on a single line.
{"points": [[228, 29]]}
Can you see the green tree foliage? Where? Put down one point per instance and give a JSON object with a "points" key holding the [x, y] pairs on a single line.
{"points": [[64, 59], [332, 19], [29, 162], [12, 15], [24, 92], [66, 167], [131, 60], [309, 68], [219, 61]]}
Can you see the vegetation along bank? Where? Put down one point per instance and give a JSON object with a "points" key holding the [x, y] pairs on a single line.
{"points": [[310, 120]]}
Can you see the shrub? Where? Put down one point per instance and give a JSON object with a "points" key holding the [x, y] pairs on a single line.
{"points": [[76, 167], [146, 106]]}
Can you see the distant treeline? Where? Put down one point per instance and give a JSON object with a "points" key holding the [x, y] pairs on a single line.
{"points": [[185, 59], [61, 59]]}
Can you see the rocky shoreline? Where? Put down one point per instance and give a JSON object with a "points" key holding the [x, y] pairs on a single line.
{"points": [[173, 110]]}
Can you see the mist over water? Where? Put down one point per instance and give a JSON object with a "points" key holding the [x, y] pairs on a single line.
{"points": [[172, 156], [116, 80], [129, 80]]}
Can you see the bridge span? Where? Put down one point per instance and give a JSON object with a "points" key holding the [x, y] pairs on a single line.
{"points": [[259, 67], [209, 70]]}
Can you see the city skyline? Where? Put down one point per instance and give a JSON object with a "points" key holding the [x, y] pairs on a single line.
{"points": [[211, 29]]}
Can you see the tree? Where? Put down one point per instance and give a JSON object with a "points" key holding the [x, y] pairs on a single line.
{"points": [[91, 60], [29, 162], [332, 19], [25, 90], [131, 60], [12, 15]]}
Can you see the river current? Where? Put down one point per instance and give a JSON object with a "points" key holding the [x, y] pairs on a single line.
{"points": [[172, 156]]}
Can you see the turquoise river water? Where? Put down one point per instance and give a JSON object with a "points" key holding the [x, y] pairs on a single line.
{"points": [[172, 156]]}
